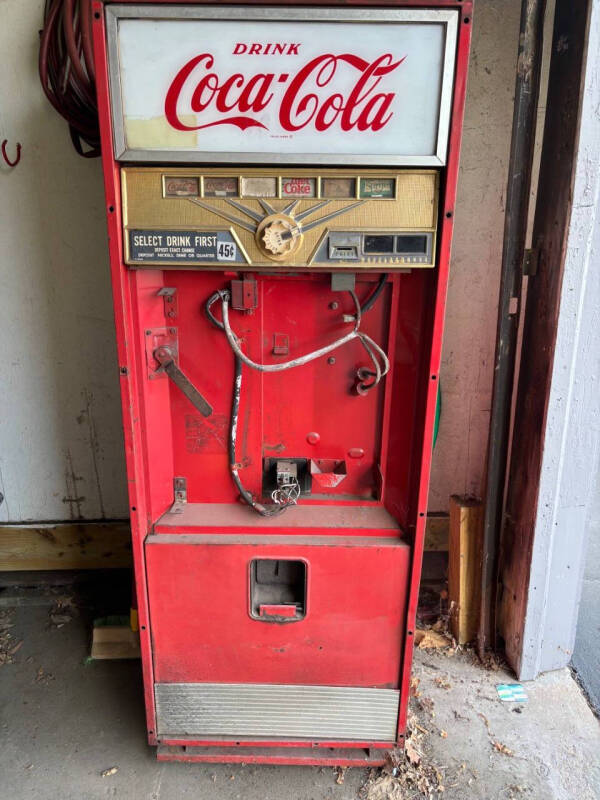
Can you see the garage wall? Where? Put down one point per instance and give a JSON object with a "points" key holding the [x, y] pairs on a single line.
{"points": [[468, 354], [60, 429], [61, 449]]}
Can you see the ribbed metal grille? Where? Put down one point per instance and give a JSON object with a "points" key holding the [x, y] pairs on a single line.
{"points": [[270, 710]]}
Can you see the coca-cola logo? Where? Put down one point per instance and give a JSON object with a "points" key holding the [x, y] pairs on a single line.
{"points": [[303, 97]]}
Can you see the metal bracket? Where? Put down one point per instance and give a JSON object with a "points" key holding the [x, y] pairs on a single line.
{"points": [[169, 296], [166, 358], [179, 495], [531, 260], [343, 281], [244, 294]]}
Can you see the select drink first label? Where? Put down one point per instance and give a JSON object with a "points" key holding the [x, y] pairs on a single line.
{"points": [[182, 246]]}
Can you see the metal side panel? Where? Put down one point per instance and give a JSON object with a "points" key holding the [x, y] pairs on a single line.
{"points": [[272, 710]]}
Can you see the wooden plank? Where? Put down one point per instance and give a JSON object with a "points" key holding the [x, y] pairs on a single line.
{"points": [[115, 642], [85, 545], [104, 545], [464, 567], [550, 231]]}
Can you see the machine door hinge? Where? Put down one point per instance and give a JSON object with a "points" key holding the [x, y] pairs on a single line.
{"points": [[531, 260]]}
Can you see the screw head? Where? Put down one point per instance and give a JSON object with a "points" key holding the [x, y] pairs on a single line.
{"points": [[331, 360], [333, 305]]}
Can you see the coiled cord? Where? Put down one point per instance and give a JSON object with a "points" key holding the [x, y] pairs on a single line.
{"points": [[66, 68]]}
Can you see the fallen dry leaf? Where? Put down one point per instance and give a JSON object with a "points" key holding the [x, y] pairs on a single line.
{"points": [[443, 683], [340, 774], [485, 719], [502, 748], [16, 648], [427, 704], [43, 676], [431, 640], [414, 686], [411, 751], [444, 734], [110, 771]]}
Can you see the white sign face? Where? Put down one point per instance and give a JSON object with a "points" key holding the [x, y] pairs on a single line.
{"points": [[281, 85]]}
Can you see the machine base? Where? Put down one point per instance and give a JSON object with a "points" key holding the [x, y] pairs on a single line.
{"points": [[310, 756]]}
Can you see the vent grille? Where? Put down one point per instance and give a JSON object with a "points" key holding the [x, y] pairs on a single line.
{"points": [[270, 710]]}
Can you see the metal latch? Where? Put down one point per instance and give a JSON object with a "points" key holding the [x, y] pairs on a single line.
{"points": [[166, 359]]}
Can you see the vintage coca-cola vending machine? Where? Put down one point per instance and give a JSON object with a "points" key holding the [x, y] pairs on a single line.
{"points": [[280, 191]]}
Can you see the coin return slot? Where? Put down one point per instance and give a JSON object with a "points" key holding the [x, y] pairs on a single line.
{"points": [[277, 590], [344, 246]]}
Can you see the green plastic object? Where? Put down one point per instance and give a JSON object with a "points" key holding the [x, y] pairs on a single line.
{"points": [[438, 414]]}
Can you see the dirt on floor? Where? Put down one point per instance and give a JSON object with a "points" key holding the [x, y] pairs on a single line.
{"points": [[74, 730]]}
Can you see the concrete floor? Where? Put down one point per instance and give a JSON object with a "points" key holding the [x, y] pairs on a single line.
{"points": [[64, 721], [586, 655]]}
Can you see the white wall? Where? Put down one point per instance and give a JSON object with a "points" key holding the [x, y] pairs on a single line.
{"points": [[60, 437], [61, 451]]}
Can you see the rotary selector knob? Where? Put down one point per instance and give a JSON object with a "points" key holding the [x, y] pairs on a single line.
{"points": [[278, 237], [274, 240]]}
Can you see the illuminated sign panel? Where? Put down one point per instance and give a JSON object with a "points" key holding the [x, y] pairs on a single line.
{"points": [[281, 85]]}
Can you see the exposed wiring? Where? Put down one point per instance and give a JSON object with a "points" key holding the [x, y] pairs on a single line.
{"points": [[370, 346], [285, 496], [66, 68], [368, 304], [246, 496]]}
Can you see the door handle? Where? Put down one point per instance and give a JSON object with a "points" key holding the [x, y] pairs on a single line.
{"points": [[164, 356]]}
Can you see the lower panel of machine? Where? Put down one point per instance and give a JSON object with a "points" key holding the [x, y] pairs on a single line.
{"points": [[210, 710], [322, 756]]}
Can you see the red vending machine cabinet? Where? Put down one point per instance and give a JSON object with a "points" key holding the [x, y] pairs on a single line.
{"points": [[280, 185]]}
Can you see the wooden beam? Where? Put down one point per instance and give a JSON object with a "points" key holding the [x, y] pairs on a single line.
{"points": [[85, 545], [102, 545], [550, 231], [464, 567]]}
